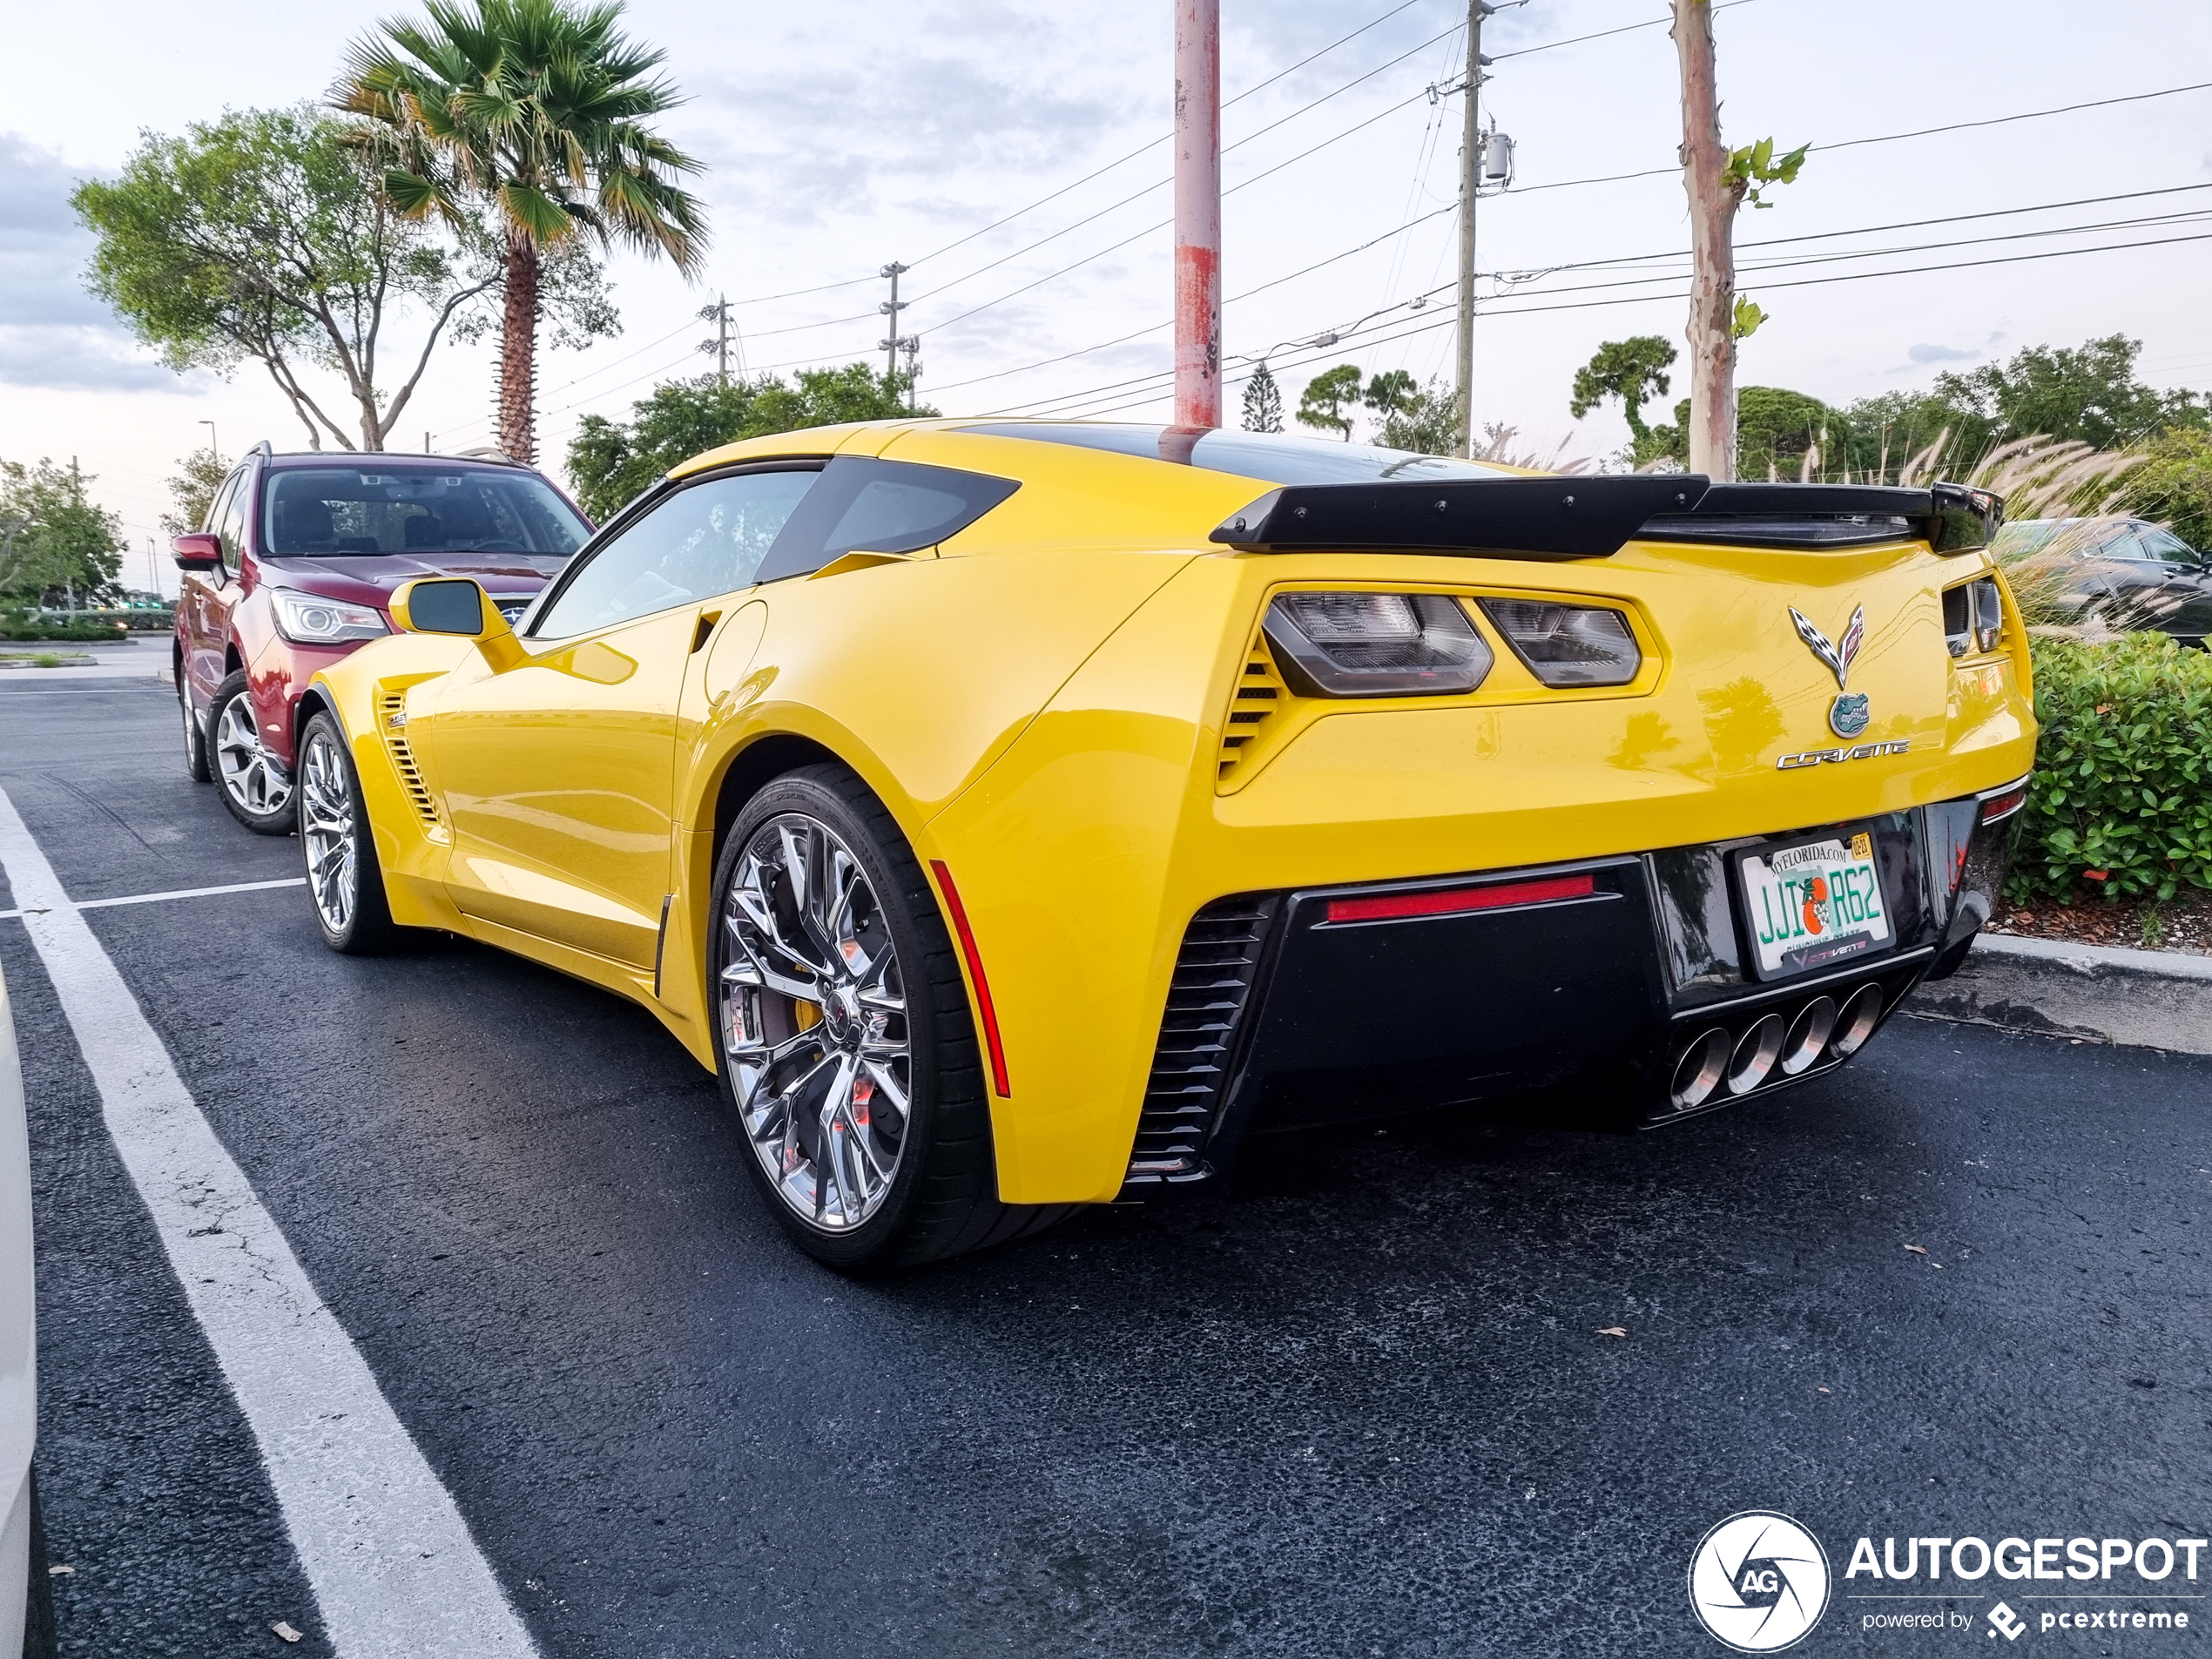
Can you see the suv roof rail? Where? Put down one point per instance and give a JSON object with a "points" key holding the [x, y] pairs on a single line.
{"points": [[487, 453], [262, 448]]}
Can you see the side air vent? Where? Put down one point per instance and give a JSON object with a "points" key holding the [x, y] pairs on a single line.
{"points": [[392, 715], [1258, 703], [1206, 1006]]}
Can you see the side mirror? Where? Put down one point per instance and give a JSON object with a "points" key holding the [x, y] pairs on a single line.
{"points": [[197, 550], [457, 606]]}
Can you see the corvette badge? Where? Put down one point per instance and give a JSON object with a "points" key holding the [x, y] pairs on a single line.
{"points": [[1849, 715]]}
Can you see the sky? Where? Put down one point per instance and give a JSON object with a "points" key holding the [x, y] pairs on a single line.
{"points": [[1013, 153]]}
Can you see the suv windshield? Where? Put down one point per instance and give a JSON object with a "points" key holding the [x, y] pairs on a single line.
{"points": [[1275, 457], [415, 507]]}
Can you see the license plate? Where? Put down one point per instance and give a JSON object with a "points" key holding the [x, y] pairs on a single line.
{"points": [[1813, 904]]}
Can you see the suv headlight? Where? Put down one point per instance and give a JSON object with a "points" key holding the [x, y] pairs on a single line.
{"points": [[1567, 645], [305, 620], [1376, 644]]}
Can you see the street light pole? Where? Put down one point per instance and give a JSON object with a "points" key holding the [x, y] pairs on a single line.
{"points": [[1198, 213], [213, 448]]}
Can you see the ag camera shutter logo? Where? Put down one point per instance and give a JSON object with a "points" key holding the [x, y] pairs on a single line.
{"points": [[1758, 1582]]}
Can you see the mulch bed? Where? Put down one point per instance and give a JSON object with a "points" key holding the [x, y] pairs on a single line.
{"points": [[2184, 923]]}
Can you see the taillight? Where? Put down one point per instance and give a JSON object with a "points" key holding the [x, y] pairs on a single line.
{"points": [[1376, 644], [1989, 613], [1566, 645]]}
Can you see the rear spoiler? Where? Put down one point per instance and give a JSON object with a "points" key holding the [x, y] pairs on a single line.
{"points": [[1593, 518]]}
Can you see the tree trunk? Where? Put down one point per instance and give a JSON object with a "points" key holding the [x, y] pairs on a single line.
{"points": [[518, 354], [1712, 228]]}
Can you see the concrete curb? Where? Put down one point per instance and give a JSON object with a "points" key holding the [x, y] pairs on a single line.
{"points": [[2142, 999]]}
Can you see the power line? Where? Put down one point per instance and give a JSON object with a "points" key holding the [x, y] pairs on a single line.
{"points": [[1777, 241], [1511, 310]]}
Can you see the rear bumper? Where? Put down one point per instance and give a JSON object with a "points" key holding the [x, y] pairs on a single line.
{"points": [[1608, 977]]}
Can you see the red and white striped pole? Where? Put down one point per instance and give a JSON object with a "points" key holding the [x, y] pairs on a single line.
{"points": [[1198, 213]]}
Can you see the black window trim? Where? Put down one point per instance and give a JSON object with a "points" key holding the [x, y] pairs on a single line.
{"points": [[644, 502]]}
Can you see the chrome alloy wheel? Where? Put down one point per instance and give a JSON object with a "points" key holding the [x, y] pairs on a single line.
{"points": [[813, 1017], [249, 772], [327, 829]]}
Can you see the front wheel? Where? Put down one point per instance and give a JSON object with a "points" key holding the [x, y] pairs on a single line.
{"points": [[196, 766], [847, 1049], [255, 785], [344, 879]]}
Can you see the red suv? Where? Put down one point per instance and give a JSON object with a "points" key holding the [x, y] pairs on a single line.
{"points": [[298, 560]]}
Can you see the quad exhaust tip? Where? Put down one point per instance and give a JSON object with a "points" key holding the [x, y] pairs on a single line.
{"points": [[1715, 1061]]}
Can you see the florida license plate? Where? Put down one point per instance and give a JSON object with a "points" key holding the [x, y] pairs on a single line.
{"points": [[1814, 904]]}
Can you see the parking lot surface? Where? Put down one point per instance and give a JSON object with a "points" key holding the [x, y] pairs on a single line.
{"points": [[1359, 1402]]}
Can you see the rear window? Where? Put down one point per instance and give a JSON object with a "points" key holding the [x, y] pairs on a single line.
{"points": [[1276, 458], [414, 506]]}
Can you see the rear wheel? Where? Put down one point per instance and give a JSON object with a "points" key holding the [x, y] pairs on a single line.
{"points": [[847, 1049], [256, 787], [344, 882]]}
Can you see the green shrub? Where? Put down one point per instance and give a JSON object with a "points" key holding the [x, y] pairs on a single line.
{"points": [[2121, 797]]}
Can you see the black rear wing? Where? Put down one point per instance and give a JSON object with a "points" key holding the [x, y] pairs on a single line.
{"points": [[1593, 518]]}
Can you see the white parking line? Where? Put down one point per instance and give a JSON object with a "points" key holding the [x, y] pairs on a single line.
{"points": [[177, 893], [393, 1568]]}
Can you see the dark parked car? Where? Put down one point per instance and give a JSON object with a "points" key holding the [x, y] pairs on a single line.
{"points": [[2131, 574], [295, 568]]}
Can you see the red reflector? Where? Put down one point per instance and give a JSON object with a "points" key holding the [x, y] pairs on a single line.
{"points": [[2004, 806], [992, 1046], [1454, 901]]}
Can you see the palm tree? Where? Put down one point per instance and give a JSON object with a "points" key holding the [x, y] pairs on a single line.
{"points": [[532, 111]]}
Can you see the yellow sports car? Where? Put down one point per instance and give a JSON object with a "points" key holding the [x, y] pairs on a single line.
{"points": [[1016, 814]]}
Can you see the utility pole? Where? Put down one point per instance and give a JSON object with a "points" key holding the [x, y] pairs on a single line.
{"points": [[891, 308], [1198, 213], [912, 345], [718, 346], [1470, 184]]}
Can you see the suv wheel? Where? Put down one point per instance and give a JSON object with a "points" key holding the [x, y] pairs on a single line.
{"points": [[255, 787], [196, 766]]}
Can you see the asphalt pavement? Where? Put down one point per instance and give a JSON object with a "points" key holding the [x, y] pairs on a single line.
{"points": [[1360, 1403]]}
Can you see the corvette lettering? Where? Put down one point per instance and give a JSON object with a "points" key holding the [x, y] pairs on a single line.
{"points": [[1828, 757]]}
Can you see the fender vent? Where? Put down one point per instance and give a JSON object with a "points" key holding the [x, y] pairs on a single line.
{"points": [[392, 715], [1206, 1004], [1259, 700]]}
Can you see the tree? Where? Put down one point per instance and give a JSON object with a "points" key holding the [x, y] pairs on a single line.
{"points": [[1263, 402], [1719, 180], [2088, 392], [532, 113], [264, 236], [1776, 429], [1633, 370], [1424, 420], [1896, 427], [199, 475], [609, 462], [55, 543], [1321, 405], [2175, 486]]}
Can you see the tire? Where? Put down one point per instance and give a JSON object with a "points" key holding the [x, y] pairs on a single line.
{"points": [[255, 787], [345, 882], [196, 766], [39, 1639], [813, 1051]]}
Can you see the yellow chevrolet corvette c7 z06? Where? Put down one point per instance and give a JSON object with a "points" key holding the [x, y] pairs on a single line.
{"points": [[1017, 814]]}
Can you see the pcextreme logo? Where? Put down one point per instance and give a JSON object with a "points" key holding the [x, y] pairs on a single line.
{"points": [[1758, 1582]]}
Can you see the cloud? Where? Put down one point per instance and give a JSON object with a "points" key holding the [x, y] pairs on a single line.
{"points": [[52, 333], [1942, 355]]}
